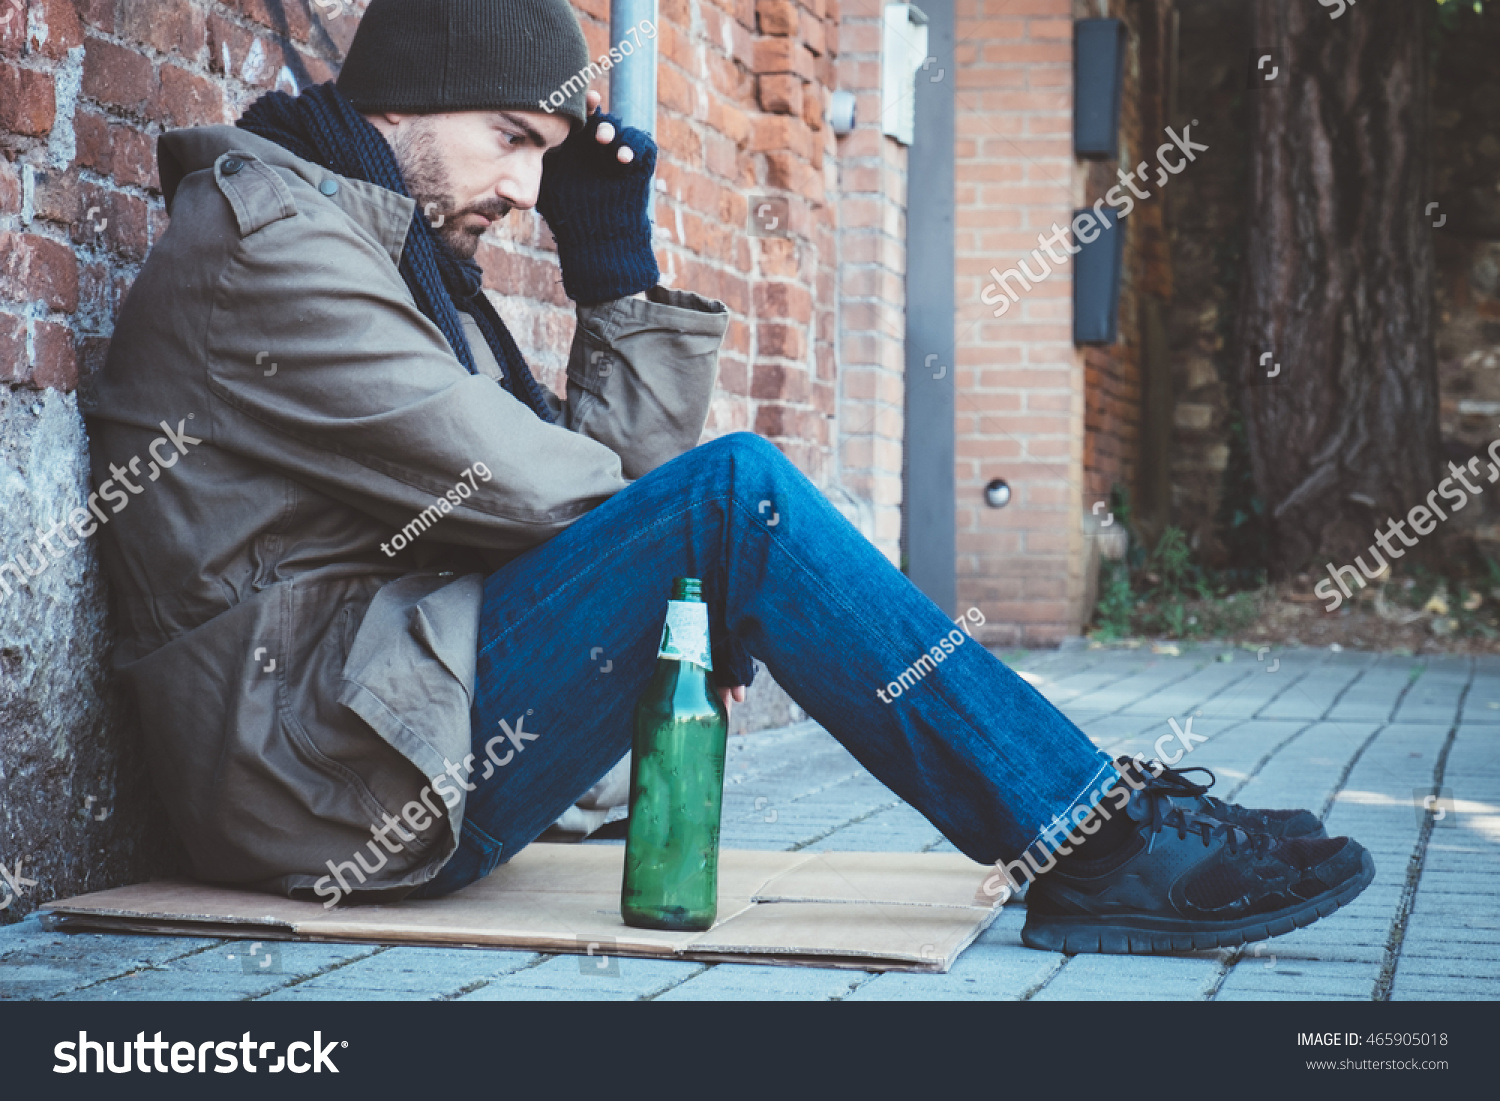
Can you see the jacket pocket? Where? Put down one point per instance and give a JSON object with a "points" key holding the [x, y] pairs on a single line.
{"points": [[410, 672]]}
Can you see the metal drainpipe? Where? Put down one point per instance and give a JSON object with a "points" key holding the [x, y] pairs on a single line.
{"points": [[632, 84]]}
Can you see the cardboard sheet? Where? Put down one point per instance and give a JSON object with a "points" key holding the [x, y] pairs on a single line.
{"points": [[873, 911]]}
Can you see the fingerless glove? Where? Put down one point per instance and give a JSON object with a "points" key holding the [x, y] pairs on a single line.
{"points": [[597, 209]]}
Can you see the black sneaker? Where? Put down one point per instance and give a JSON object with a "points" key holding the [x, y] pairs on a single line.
{"points": [[1187, 881], [1277, 823]]}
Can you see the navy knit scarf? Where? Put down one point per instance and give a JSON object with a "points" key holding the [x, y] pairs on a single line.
{"points": [[322, 126]]}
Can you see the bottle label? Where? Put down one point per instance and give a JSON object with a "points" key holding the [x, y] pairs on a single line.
{"points": [[684, 637]]}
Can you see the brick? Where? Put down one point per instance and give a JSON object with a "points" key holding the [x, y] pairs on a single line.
{"points": [[119, 222], [730, 121], [55, 198], [97, 13], [781, 341], [780, 94], [675, 91], [228, 44], [186, 99], [170, 28], [782, 132], [134, 157], [680, 48], [776, 17], [825, 360], [56, 364], [729, 77], [10, 188], [814, 106], [776, 381], [277, 15], [775, 420], [722, 158], [35, 268], [813, 36], [60, 18], [782, 55], [681, 137], [785, 171], [13, 361], [26, 100], [117, 76], [788, 301], [91, 130], [12, 32]]}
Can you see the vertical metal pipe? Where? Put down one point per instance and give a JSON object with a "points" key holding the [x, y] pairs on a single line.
{"points": [[929, 509], [632, 83]]}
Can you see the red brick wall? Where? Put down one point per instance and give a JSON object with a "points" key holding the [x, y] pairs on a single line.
{"points": [[86, 87], [742, 94], [1020, 404]]}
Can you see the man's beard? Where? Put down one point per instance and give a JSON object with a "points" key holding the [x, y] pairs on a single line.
{"points": [[416, 149]]}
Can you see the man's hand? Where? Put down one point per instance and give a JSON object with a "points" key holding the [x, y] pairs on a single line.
{"points": [[597, 203], [737, 694], [606, 133]]}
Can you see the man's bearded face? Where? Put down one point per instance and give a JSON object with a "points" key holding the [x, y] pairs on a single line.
{"points": [[430, 181]]}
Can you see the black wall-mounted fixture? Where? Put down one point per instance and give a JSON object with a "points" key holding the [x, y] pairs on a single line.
{"points": [[1098, 79], [1096, 277]]}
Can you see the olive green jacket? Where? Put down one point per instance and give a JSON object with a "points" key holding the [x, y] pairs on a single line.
{"points": [[274, 408]]}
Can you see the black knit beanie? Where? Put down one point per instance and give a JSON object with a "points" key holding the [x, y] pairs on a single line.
{"points": [[429, 56]]}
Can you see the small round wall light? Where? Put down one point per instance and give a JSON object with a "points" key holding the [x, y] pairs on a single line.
{"points": [[997, 493], [841, 111]]}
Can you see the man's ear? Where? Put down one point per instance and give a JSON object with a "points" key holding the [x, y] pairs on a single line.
{"points": [[386, 121]]}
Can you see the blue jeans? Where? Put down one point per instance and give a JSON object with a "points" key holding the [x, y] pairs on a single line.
{"points": [[569, 632]]}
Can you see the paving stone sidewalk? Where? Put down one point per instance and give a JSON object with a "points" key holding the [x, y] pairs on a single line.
{"points": [[1401, 752]]}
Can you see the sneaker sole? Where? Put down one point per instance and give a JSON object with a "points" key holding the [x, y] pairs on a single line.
{"points": [[1159, 936]]}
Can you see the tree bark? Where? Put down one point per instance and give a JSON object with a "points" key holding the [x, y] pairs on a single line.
{"points": [[1338, 280]]}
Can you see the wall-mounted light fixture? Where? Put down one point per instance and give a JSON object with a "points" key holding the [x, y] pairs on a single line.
{"points": [[997, 493], [841, 112], [1096, 277], [1098, 76]]}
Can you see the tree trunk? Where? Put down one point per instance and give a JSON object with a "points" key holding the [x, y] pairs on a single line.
{"points": [[1338, 281]]}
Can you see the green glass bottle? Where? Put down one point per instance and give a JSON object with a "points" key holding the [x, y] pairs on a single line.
{"points": [[676, 779]]}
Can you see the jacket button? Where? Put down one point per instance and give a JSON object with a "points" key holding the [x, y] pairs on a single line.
{"points": [[329, 187], [231, 166]]}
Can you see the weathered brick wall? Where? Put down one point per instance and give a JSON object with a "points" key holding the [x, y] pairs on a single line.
{"points": [[86, 87], [1020, 382]]}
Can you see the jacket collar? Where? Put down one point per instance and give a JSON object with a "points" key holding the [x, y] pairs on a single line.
{"points": [[383, 214]]}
